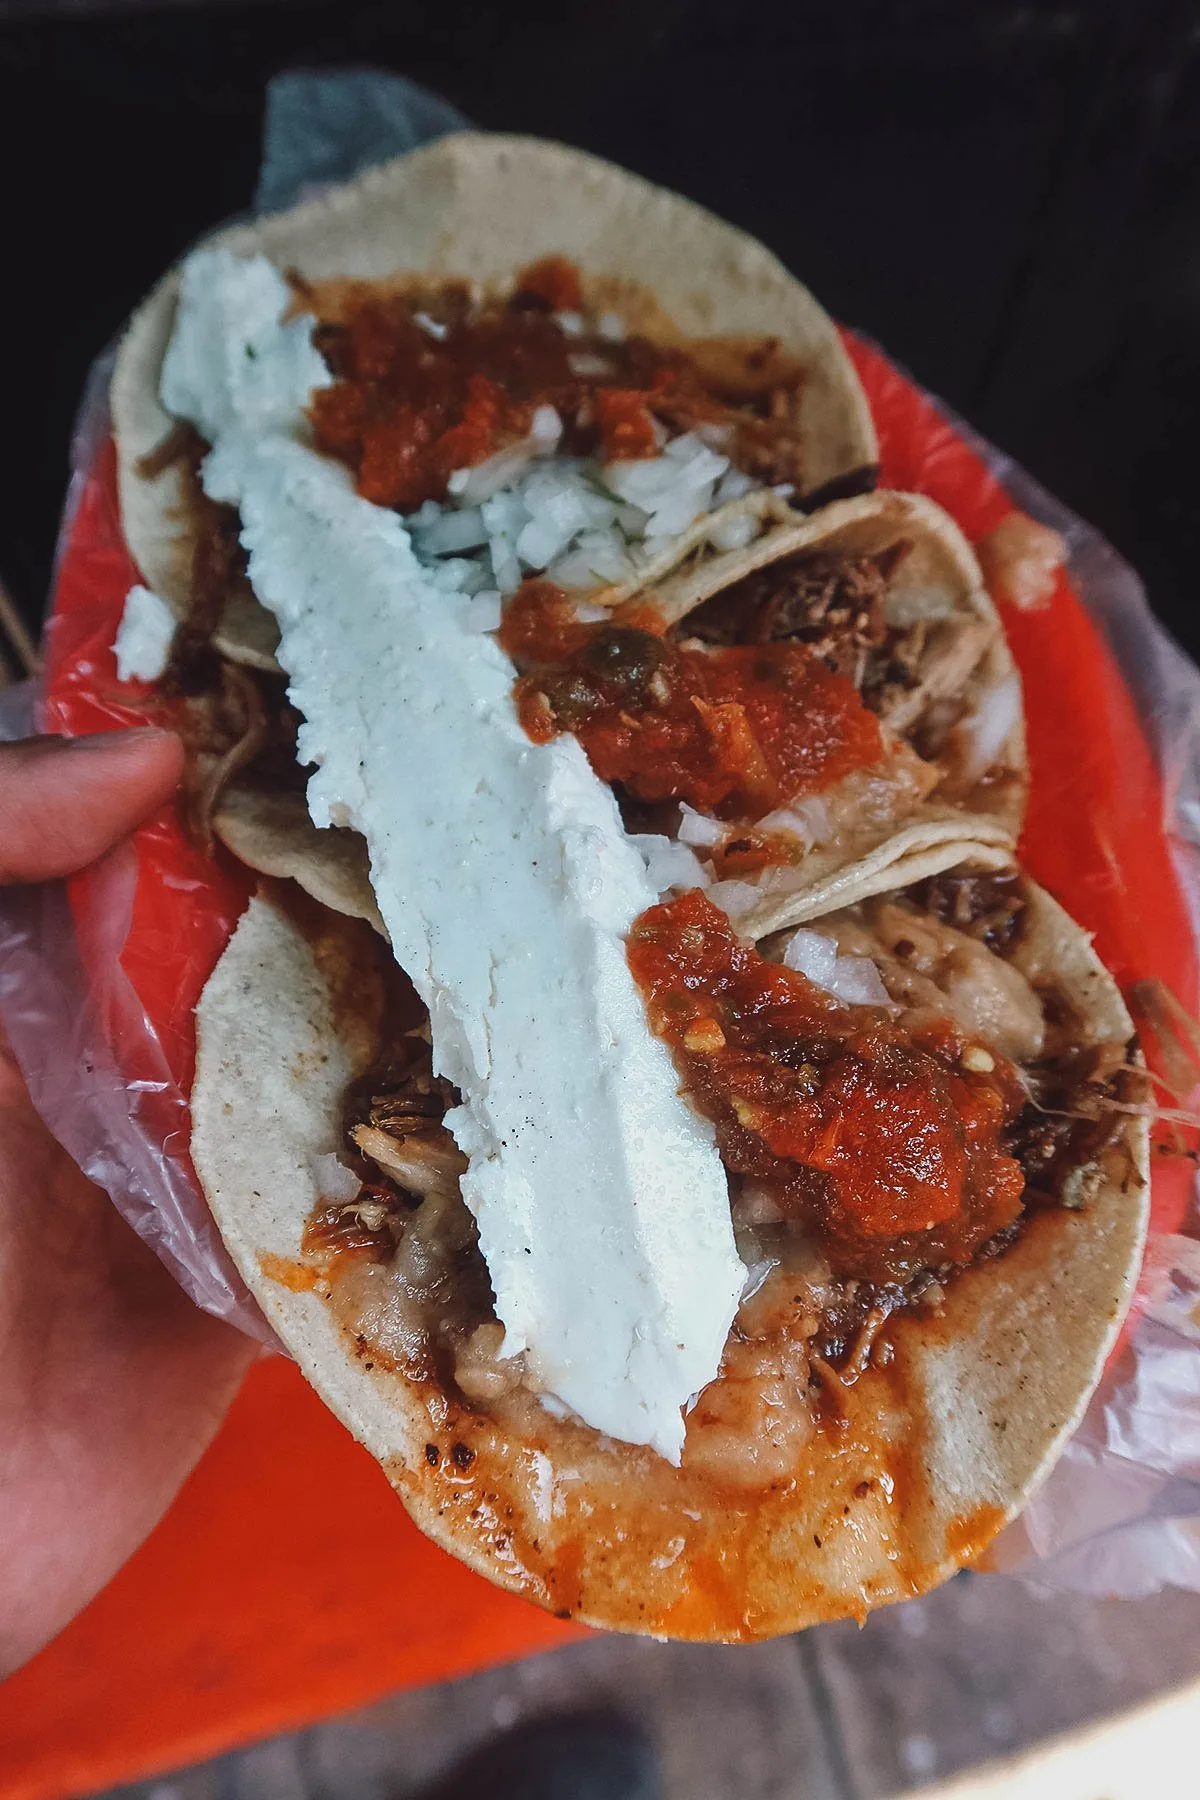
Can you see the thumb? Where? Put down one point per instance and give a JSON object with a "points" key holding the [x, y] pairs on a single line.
{"points": [[65, 801]]}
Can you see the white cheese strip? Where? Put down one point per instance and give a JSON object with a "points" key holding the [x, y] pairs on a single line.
{"points": [[143, 641], [231, 363], [507, 885]]}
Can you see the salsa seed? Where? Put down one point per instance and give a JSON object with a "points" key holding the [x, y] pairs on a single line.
{"points": [[704, 1037]]}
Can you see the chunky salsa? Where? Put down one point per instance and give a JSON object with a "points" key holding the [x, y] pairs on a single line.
{"points": [[431, 381], [886, 1143], [734, 732]]}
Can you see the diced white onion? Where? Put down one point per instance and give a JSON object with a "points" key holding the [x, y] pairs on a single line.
{"points": [[530, 509], [853, 979], [736, 899], [757, 1273], [558, 507], [672, 489], [495, 472], [501, 517], [996, 715], [631, 519], [452, 532], [755, 1206], [432, 327], [571, 324], [670, 865], [859, 982], [545, 428], [468, 575], [903, 606], [807, 820], [697, 828], [598, 558], [333, 1180], [733, 484], [611, 325], [485, 611], [735, 534], [690, 451], [717, 437], [813, 954], [588, 366]]}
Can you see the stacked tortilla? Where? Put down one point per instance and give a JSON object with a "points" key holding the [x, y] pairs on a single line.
{"points": [[933, 1447]]}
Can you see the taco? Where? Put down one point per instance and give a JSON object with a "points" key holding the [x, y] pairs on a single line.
{"points": [[506, 1216], [827, 712], [902, 1368], [648, 323], [583, 448], [887, 590]]}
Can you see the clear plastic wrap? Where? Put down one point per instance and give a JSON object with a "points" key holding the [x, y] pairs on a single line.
{"points": [[123, 1134], [98, 979]]}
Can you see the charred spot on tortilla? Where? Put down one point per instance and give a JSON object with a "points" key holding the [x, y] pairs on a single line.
{"points": [[842, 487]]}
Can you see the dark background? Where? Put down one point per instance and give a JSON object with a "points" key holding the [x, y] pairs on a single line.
{"points": [[1007, 196]]}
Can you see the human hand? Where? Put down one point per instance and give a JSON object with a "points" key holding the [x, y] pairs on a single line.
{"points": [[112, 1383]]}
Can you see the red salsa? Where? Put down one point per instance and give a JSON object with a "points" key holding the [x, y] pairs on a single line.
{"points": [[881, 1141], [734, 732], [430, 381]]}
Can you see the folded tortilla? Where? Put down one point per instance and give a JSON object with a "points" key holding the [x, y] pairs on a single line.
{"points": [[481, 207], [912, 1462], [942, 679], [912, 1469]]}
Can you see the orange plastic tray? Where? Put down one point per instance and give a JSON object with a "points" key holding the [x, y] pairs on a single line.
{"points": [[286, 1583]]}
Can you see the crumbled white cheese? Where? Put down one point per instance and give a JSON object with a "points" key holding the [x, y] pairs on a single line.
{"points": [[507, 885], [143, 641], [231, 363]]}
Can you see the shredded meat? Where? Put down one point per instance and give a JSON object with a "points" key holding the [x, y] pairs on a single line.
{"points": [[394, 1117], [240, 705], [1060, 1138], [933, 967], [182, 444], [218, 568], [234, 718], [409, 1204], [1175, 1032], [401, 1094], [218, 562], [833, 604], [987, 907]]}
